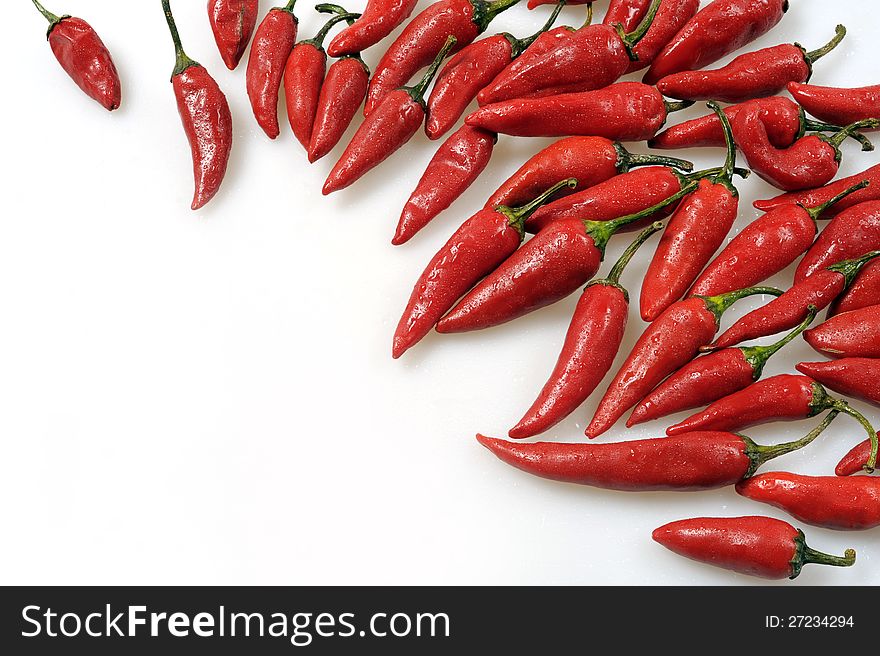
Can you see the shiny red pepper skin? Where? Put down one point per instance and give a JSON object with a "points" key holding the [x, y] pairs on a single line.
{"points": [[839, 106], [342, 94], [233, 23], [671, 17], [864, 291], [850, 234], [757, 546], [718, 29], [379, 19], [853, 334], [856, 377], [815, 197], [855, 461], [456, 164], [628, 13], [272, 44]]}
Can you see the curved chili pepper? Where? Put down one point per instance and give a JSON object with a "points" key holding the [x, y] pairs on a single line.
{"points": [[718, 29], [711, 377], [549, 267], [84, 57], [206, 118], [671, 17], [384, 131], [273, 41], [857, 377], [667, 344], [856, 461], [481, 243], [698, 461], [342, 93], [853, 334], [233, 23], [843, 106], [379, 19], [814, 197], [753, 75], [469, 71], [591, 344], [766, 246], [424, 37], [788, 310], [757, 546], [850, 234], [626, 111], [864, 291], [456, 164], [693, 234]]}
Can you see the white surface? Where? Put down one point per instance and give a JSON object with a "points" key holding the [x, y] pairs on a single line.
{"points": [[206, 398]]}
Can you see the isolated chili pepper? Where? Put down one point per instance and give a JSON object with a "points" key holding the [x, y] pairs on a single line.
{"points": [[753, 75], [379, 19], [273, 41], [698, 461], [233, 23], [711, 377], [718, 29], [342, 94], [766, 246], [857, 377], [425, 36], [469, 71], [758, 546], [853, 334], [393, 123], [454, 167], [785, 312], [856, 461], [836, 105], [84, 57], [206, 118], [698, 227], [626, 111], [814, 197], [864, 291], [591, 344], [549, 267], [477, 248], [850, 234], [671, 17], [667, 344]]}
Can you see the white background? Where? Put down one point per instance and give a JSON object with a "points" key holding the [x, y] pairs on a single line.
{"points": [[206, 398]]}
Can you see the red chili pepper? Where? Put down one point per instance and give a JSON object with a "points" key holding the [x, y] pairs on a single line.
{"points": [[342, 93], [766, 246], [667, 344], [477, 248], [757, 546], [233, 23], [671, 17], [591, 344], [850, 234], [857, 377], [272, 44], [711, 377], [626, 111], [628, 13], [424, 37], [756, 74], [785, 312], [856, 461], [84, 57], [393, 123], [549, 267], [454, 167], [206, 118], [835, 105], [853, 334], [864, 291], [696, 230], [699, 461], [469, 71], [718, 29], [814, 197], [379, 19]]}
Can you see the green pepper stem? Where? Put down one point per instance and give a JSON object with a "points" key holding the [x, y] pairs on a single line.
{"points": [[718, 305], [844, 407], [627, 160], [48, 15], [849, 269], [288, 7], [489, 10], [318, 40], [760, 454], [836, 139], [182, 62], [589, 19], [725, 177], [518, 215], [816, 212], [811, 556], [677, 106], [519, 45], [814, 55], [757, 356], [713, 172], [818, 126], [631, 40], [616, 271], [417, 92]]}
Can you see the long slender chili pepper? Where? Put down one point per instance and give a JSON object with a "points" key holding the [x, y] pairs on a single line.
{"points": [[718, 29], [788, 310], [626, 111], [757, 546], [843, 106], [850, 234], [696, 230], [206, 118], [393, 123], [233, 23], [856, 461], [753, 75], [814, 197], [591, 344], [481, 243], [698, 461], [454, 167], [469, 71], [857, 377], [667, 344], [864, 291], [711, 377], [549, 267], [84, 57], [854, 334], [766, 246], [671, 17], [273, 41], [379, 19], [424, 37]]}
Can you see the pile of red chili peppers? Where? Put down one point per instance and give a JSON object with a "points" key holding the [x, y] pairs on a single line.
{"points": [[573, 196]]}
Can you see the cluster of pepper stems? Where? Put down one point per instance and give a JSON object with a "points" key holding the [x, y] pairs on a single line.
{"points": [[573, 196]]}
